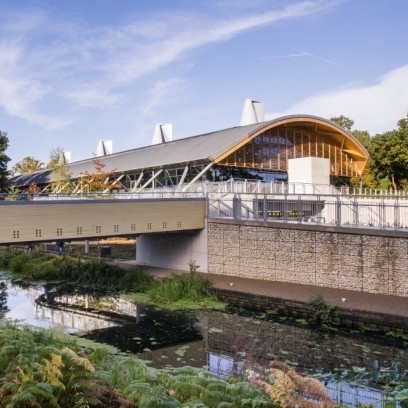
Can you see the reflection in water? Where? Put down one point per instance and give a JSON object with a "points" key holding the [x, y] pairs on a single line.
{"points": [[218, 340], [76, 312], [3, 299], [267, 337], [72, 321]]}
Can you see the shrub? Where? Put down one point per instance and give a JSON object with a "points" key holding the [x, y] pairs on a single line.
{"points": [[321, 312], [180, 288], [21, 263], [5, 257]]}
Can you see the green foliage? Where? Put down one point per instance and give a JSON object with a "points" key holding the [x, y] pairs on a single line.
{"points": [[4, 159], [20, 263], [27, 165], [59, 171], [39, 266], [343, 121], [321, 313], [179, 288], [387, 166], [389, 153], [5, 257], [186, 386], [186, 291]]}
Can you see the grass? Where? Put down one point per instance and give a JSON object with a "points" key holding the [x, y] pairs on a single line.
{"points": [[176, 292], [38, 266], [183, 291]]}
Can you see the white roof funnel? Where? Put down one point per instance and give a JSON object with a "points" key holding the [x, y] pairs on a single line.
{"points": [[104, 148], [253, 112], [66, 157], [163, 132]]}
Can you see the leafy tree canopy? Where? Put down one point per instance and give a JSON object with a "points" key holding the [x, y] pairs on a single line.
{"points": [[4, 159], [389, 155], [27, 165], [343, 121], [59, 171]]}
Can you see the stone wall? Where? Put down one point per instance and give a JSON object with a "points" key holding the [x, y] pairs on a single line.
{"points": [[341, 258]]}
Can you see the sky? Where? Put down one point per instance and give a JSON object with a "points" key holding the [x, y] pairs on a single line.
{"points": [[76, 72]]}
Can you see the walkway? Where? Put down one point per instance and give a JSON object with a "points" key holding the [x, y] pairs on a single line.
{"points": [[343, 299]]}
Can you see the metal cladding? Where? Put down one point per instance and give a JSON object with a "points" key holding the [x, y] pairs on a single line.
{"points": [[205, 149]]}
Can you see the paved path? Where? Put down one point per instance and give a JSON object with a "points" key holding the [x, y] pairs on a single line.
{"points": [[346, 299]]}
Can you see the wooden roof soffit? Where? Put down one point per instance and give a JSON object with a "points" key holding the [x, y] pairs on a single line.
{"points": [[349, 144]]}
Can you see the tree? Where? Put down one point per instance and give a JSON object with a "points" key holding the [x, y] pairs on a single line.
{"points": [[61, 181], [4, 159], [389, 154], [27, 165], [343, 121], [98, 181]]}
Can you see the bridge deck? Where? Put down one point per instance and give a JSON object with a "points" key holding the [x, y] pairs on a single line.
{"points": [[42, 221]]}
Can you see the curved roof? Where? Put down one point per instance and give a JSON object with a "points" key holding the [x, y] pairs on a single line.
{"points": [[201, 149]]}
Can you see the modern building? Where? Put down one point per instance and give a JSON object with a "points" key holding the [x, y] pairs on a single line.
{"points": [[256, 149]]}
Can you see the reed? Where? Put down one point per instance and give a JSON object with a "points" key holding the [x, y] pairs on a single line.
{"points": [[178, 288]]}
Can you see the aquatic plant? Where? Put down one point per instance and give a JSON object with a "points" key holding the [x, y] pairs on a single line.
{"points": [[181, 288], [321, 313], [38, 266]]}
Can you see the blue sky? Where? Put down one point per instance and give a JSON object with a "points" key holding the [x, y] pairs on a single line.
{"points": [[75, 72]]}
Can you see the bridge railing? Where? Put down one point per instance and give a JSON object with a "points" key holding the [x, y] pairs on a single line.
{"points": [[252, 199], [313, 208], [238, 186]]}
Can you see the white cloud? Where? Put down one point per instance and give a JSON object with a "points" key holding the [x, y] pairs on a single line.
{"points": [[161, 93], [376, 108], [177, 34], [45, 61], [19, 94], [93, 97]]}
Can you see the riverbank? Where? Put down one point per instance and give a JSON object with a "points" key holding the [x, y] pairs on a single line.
{"points": [[353, 309]]}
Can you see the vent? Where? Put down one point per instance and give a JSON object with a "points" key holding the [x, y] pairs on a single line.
{"points": [[104, 148], [253, 112], [163, 132]]}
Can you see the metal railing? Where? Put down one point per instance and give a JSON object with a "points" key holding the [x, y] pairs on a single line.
{"points": [[316, 209], [259, 200]]}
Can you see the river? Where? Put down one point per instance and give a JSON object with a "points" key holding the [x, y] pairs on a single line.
{"points": [[218, 340]]}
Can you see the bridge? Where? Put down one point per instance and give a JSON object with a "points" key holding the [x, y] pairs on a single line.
{"points": [[41, 220], [312, 236]]}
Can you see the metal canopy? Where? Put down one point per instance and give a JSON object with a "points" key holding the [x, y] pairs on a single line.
{"points": [[196, 150]]}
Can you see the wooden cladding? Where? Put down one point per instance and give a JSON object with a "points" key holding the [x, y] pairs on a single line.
{"points": [[272, 149]]}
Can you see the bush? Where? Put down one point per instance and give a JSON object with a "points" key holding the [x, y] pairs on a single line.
{"points": [[21, 263], [180, 288], [321, 312], [5, 257], [37, 370], [50, 267]]}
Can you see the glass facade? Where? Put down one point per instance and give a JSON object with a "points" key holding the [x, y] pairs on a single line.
{"points": [[271, 150]]}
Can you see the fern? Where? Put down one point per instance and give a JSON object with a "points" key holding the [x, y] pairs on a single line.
{"points": [[52, 370], [218, 386], [159, 400], [195, 404], [186, 391], [33, 395], [137, 390], [287, 388], [78, 360]]}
